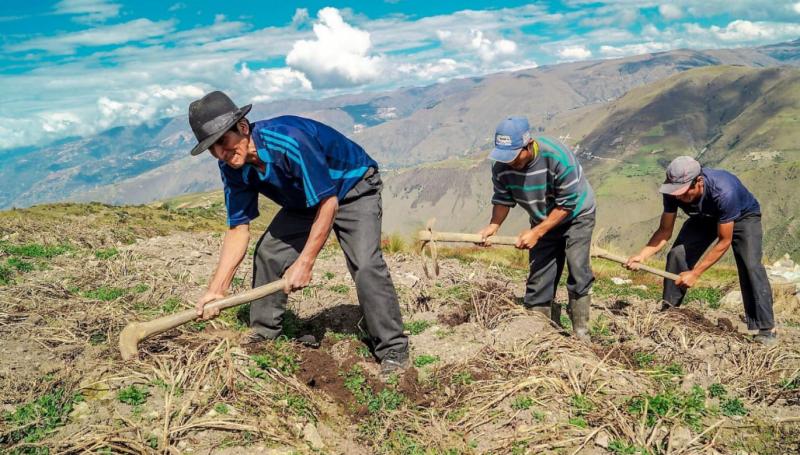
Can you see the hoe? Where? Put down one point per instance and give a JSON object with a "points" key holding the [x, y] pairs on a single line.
{"points": [[135, 332], [429, 237]]}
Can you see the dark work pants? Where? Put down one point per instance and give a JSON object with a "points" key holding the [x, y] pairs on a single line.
{"points": [[568, 243], [358, 227], [696, 235]]}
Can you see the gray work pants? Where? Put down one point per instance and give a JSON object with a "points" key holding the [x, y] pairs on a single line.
{"points": [[696, 235], [570, 243], [358, 227]]}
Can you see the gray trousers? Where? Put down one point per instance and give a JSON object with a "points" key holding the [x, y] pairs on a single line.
{"points": [[570, 243], [358, 227], [696, 235]]}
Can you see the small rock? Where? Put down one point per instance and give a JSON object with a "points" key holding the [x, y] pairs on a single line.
{"points": [[311, 435], [602, 439], [620, 281], [80, 411], [733, 298], [195, 254], [680, 436], [640, 287]]}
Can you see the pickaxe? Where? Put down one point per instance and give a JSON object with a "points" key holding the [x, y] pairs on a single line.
{"points": [[429, 237], [135, 332]]}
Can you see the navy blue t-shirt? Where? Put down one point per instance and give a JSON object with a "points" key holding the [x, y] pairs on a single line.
{"points": [[306, 162], [724, 198]]}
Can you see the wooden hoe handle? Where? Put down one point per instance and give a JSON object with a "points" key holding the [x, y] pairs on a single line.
{"points": [[646, 268], [135, 332]]}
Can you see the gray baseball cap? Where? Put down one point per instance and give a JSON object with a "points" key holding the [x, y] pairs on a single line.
{"points": [[680, 174]]}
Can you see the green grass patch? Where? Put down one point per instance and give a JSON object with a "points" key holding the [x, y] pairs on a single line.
{"points": [[671, 405], [221, 408], [106, 253], [34, 250], [133, 395], [20, 265], [522, 403], [417, 327], [717, 390], [105, 293], [388, 399], [279, 356], [6, 274], [425, 359], [32, 421], [711, 296], [581, 404], [644, 359], [170, 305], [462, 378], [579, 422], [733, 407], [140, 288], [619, 447], [339, 288]]}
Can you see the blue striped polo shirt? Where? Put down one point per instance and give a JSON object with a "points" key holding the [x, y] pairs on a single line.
{"points": [[554, 178], [306, 162]]}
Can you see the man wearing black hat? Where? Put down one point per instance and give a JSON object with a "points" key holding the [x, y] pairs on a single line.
{"points": [[719, 208], [322, 181]]}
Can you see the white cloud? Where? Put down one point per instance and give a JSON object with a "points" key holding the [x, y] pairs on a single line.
{"points": [[140, 106], [796, 7], [633, 49], [135, 30], [476, 41], [743, 31], [670, 11], [88, 11], [300, 17], [267, 84], [575, 52], [338, 57]]}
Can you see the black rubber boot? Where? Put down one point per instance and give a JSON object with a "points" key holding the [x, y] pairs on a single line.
{"points": [[555, 313], [579, 314], [541, 309]]}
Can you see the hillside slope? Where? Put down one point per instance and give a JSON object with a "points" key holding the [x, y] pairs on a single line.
{"points": [[488, 376], [742, 119]]}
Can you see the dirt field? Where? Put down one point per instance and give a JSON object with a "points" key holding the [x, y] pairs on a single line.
{"points": [[488, 376]]}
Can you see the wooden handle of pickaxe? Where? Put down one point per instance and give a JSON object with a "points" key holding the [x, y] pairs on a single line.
{"points": [[427, 236], [646, 268], [135, 332]]}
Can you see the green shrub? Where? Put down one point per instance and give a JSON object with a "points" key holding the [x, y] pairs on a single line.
{"points": [[417, 327], [33, 421], [107, 253], [733, 407], [425, 359], [133, 395], [522, 403], [105, 293]]}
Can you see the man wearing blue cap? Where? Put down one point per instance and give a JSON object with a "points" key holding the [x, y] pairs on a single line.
{"points": [[544, 177], [323, 181], [720, 208]]}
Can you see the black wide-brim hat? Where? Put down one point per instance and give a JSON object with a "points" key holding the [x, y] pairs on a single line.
{"points": [[212, 116]]}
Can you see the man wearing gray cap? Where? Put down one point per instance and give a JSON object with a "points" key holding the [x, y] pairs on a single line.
{"points": [[544, 177], [719, 208]]}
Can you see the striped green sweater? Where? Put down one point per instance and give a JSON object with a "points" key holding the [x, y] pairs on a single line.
{"points": [[554, 178]]}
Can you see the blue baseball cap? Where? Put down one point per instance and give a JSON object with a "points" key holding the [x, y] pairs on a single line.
{"points": [[510, 136]]}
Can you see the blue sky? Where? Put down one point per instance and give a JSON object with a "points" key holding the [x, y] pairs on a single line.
{"points": [[74, 67]]}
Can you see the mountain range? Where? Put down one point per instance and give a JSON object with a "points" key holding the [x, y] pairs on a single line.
{"points": [[734, 108]]}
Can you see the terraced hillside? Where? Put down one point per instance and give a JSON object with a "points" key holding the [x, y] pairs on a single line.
{"points": [[488, 376]]}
